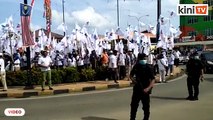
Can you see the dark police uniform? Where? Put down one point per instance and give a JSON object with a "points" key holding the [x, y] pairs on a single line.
{"points": [[144, 75], [194, 71]]}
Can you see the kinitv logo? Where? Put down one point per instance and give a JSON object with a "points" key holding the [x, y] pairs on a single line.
{"points": [[192, 9]]}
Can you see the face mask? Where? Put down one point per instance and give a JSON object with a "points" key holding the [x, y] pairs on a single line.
{"points": [[143, 62]]}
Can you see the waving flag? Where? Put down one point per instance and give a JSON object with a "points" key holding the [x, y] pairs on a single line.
{"points": [[95, 35], [27, 36], [32, 5], [119, 32], [18, 27], [172, 14], [48, 15]]}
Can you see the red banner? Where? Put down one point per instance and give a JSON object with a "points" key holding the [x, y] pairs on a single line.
{"points": [[48, 14]]}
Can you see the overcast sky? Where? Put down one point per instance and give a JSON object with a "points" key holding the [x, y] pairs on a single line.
{"points": [[102, 14]]}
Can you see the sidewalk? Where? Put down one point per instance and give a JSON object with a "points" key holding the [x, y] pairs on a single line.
{"points": [[19, 92]]}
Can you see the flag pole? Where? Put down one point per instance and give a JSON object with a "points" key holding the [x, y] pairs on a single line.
{"points": [[158, 22], [28, 84], [158, 17], [118, 21], [63, 16]]}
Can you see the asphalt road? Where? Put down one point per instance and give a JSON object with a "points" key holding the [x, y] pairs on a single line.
{"points": [[167, 103]]}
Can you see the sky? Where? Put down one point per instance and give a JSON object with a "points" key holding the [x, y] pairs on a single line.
{"points": [[101, 14]]}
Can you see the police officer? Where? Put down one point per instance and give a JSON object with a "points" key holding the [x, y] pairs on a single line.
{"points": [[194, 70], [143, 83]]}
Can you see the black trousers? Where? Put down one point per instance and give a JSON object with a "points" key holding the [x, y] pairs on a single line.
{"points": [[176, 62], [193, 86], [122, 72], [156, 70], [113, 74], [138, 96]]}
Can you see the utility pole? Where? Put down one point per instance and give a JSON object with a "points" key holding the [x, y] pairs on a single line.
{"points": [[28, 84], [63, 15], [158, 17], [118, 21]]}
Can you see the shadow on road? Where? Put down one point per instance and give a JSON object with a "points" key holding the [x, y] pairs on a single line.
{"points": [[96, 118], [167, 98]]}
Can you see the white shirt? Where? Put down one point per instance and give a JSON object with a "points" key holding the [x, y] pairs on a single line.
{"points": [[171, 59], [80, 61], [46, 61], [122, 58], [2, 65], [113, 61], [161, 63], [72, 63], [59, 60], [150, 59], [177, 54], [17, 63]]}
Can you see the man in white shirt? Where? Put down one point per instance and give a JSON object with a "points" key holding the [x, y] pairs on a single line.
{"points": [[58, 60], [177, 57], [80, 63], [162, 64], [113, 67], [3, 73], [121, 65], [171, 59], [44, 63]]}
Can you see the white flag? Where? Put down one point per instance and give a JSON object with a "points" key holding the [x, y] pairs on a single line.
{"points": [[119, 32], [62, 27]]}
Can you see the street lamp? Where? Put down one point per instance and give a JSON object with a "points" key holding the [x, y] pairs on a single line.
{"points": [[138, 19]]}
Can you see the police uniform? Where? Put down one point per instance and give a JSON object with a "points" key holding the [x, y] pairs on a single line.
{"points": [[144, 76], [194, 71]]}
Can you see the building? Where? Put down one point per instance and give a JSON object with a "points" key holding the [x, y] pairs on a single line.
{"points": [[55, 35], [197, 28]]}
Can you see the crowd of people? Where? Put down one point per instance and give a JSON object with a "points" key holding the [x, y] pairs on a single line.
{"points": [[116, 63]]}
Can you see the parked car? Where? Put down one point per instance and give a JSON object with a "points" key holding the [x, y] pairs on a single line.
{"points": [[207, 59], [183, 59]]}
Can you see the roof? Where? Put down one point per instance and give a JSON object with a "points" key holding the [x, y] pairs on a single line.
{"points": [[150, 35], [56, 35], [195, 43]]}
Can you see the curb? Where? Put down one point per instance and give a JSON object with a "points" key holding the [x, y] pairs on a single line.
{"points": [[62, 91], [32, 93]]}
